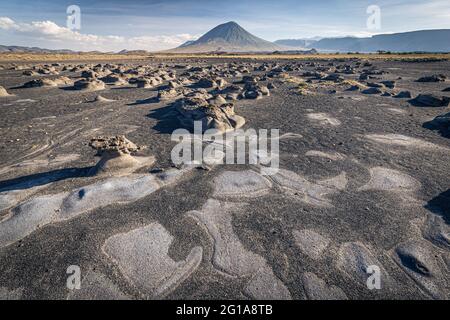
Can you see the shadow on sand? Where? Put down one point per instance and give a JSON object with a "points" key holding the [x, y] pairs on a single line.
{"points": [[144, 101], [167, 119], [39, 179], [440, 205], [436, 125]]}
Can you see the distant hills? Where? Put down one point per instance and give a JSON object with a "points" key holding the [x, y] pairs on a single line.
{"points": [[227, 37], [20, 49], [296, 43], [414, 41], [231, 37], [134, 52]]}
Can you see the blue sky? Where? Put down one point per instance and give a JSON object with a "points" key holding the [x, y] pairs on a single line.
{"points": [[156, 24]]}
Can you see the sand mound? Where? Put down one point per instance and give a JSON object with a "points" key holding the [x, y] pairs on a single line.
{"points": [[433, 78], [431, 100], [255, 91], [100, 98], [372, 91], [29, 73], [47, 70], [116, 156], [62, 81], [170, 94], [148, 82], [403, 95], [115, 80], [45, 82], [116, 143], [36, 83], [3, 92], [220, 118], [206, 83], [89, 85]]}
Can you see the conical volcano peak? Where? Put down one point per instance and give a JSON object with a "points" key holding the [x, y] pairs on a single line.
{"points": [[230, 24], [230, 32], [230, 37]]}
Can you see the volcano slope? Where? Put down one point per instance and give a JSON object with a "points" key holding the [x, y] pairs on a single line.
{"points": [[227, 37], [364, 181]]}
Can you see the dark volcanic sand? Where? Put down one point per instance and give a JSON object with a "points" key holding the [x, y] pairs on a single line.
{"points": [[49, 134]]}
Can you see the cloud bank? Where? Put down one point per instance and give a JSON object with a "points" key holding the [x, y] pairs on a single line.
{"points": [[49, 34]]}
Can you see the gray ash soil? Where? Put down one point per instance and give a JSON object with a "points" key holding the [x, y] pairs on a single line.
{"points": [[44, 136]]}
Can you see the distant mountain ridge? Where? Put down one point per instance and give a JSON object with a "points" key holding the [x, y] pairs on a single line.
{"points": [[227, 37], [230, 37], [21, 49], [296, 43], [413, 41]]}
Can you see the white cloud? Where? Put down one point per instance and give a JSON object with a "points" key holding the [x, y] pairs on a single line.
{"points": [[42, 33], [424, 15], [6, 23]]}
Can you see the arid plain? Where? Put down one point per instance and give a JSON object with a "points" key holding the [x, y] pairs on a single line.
{"points": [[364, 177]]}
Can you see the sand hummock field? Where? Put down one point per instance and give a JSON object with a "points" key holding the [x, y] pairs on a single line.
{"points": [[86, 179]]}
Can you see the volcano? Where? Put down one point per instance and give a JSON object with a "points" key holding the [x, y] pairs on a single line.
{"points": [[227, 37]]}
